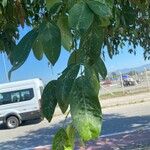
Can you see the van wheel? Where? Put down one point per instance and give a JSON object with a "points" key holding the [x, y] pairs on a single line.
{"points": [[12, 122]]}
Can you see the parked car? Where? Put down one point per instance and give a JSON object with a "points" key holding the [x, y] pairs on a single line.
{"points": [[128, 81], [106, 82]]}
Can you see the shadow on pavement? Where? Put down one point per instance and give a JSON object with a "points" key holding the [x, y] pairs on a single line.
{"points": [[138, 140], [116, 123], [111, 124], [25, 123], [32, 139]]}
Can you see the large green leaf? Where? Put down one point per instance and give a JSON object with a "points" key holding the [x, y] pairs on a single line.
{"points": [[64, 139], [80, 17], [110, 3], [100, 68], [50, 3], [50, 37], [65, 84], [70, 3], [99, 8], [21, 51], [76, 57], [4, 3], [49, 100], [70, 130], [60, 140], [66, 36], [38, 49], [85, 107], [106, 2], [90, 46], [91, 43], [55, 8]]}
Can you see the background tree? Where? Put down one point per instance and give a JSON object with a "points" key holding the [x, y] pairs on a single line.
{"points": [[85, 28]]}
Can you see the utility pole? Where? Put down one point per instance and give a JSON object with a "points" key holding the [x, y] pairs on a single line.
{"points": [[5, 68]]}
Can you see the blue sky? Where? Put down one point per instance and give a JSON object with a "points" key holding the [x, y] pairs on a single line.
{"points": [[34, 68]]}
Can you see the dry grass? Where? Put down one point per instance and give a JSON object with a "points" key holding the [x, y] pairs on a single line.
{"points": [[125, 93]]}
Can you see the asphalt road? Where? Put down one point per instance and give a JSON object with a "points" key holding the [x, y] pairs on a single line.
{"points": [[116, 119]]}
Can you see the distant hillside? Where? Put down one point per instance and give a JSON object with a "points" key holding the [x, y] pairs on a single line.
{"points": [[137, 69]]}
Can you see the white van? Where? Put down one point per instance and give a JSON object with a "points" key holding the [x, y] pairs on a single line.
{"points": [[20, 101]]}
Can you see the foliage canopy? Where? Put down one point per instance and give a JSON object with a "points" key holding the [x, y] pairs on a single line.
{"points": [[85, 28]]}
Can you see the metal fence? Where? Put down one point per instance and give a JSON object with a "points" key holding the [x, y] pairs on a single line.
{"points": [[126, 83]]}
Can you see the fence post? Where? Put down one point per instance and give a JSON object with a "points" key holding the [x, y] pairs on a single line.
{"points": [[147, 79], [122, 82]]}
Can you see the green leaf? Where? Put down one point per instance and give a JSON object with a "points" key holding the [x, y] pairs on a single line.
{"points": [[70, 130], [49, 100], [55, 8], [0, 14], [129, 14], [80, 17], [76, 57], [68, 148], [21, 51], [65, 84], [50, 3], [71, 3], [92, 84], [66, 36], [64, 140], [100, 68], [90, 46], [107, 2], [110, 3], [91, 43], [60, 140], [1, 45], [99, 8], [4, 3], [37, 49], [104, 22], [50, 37], [85, 107]]}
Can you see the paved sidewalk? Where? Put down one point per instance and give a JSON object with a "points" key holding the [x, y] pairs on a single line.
{"points": [[136, 140]]}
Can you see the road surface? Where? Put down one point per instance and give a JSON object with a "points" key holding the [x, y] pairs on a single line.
{"points": [[116, 119]]}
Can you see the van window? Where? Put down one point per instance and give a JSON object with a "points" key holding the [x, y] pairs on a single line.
{"points": [[27, 94], [16, 96]]}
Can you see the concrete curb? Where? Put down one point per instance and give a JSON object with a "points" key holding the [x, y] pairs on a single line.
{"points": [[118, 101], [125, 100]]}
